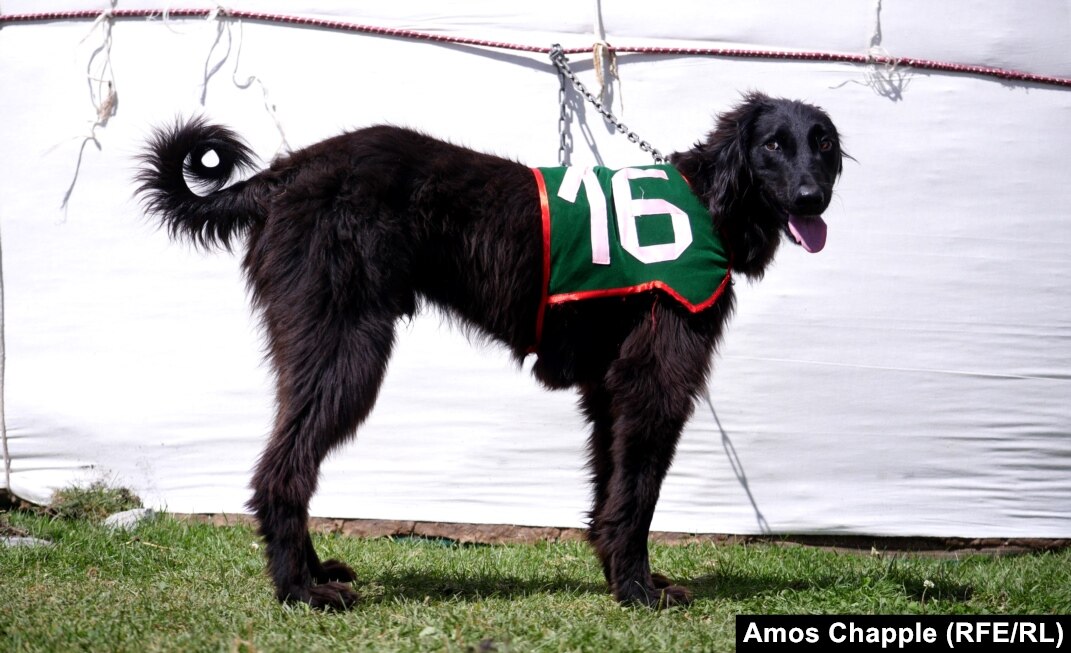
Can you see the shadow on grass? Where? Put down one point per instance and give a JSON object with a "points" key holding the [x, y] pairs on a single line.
{"points": [[423, 586], [419, 586], [740, 586], [939, 589]]}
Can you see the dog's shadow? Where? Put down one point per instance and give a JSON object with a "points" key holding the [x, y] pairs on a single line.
{"points": [[422, 586], [741, 586], [441, 587], [433, 587]]}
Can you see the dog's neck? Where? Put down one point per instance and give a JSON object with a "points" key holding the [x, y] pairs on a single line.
{"points": [[750, 227]]}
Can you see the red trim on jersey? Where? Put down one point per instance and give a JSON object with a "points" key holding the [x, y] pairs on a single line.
{"points": [[544, 209], [644, 287], [547, 299]]}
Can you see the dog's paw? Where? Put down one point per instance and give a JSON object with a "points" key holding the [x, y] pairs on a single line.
{"points": [[331, 596], [674, 595], [335, 570], [660, 594]]}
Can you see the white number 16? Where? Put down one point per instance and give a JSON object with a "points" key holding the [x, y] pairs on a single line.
{"points": [[628, 209]]}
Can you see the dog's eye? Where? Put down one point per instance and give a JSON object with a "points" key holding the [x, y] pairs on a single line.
{"points": [[825, 144], [772, 146]]}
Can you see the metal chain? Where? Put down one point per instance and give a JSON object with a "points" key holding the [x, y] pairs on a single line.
{"points": [[557, 57], [565, 139]]}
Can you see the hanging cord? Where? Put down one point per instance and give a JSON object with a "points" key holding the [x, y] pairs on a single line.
{"points": [[102, 91], [224, 21], [605, 62], [3, 367], [738, 467], [558, 58], [269, 106], [5, 484], [883, 72], [604, 58]]}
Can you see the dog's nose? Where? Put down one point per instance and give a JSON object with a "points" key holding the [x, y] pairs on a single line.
{"points": [[809, 199]]}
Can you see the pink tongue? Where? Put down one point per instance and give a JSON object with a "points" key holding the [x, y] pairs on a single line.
{"points": [[809, 232]]}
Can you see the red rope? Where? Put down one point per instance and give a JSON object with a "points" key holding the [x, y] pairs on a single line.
{"points": [[337, 25]]}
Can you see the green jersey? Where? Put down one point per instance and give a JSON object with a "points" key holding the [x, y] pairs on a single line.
{"points": [[618, 232]]}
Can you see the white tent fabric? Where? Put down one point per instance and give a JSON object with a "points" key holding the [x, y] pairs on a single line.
{"points": [[911, 379]]}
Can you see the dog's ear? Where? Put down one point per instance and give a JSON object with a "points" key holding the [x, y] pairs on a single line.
{"points": [[718, 166]]}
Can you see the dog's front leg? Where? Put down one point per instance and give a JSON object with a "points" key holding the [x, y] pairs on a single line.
{"points": [[620, 531], [595, 401], [651, 389]]}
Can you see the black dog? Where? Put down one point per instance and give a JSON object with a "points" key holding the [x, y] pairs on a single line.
{"points": [[352, 233]]}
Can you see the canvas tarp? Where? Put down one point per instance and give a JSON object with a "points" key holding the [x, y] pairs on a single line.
{"points": [[911, 379]]}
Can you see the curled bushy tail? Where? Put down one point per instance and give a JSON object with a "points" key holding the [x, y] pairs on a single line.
{"points": [[182, 155]]}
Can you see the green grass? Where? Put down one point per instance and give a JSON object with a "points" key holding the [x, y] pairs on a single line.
{"points": [[93, 502], [175, 586]]}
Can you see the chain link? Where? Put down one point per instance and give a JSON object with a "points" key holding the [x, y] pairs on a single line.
{"points": [[565, 138], [557, 57]]}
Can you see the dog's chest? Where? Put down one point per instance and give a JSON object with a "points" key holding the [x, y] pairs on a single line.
{"points": [[617, 232]]}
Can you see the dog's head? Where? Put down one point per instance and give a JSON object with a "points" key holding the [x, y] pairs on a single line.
{"points": [[794, 157], [768, 168]]}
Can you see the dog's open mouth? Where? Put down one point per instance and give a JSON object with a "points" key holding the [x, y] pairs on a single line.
{"points": [[809, 231]]}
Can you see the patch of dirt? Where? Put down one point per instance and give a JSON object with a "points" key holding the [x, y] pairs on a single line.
{"points": [[941, 547]]}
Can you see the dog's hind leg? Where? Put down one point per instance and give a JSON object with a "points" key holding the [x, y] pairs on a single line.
{"points": [[652, 387], [329, 376], [327, 570], [595, 402]]}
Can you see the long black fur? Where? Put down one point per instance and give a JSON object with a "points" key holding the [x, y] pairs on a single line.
{"points": [[348, 235]]}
